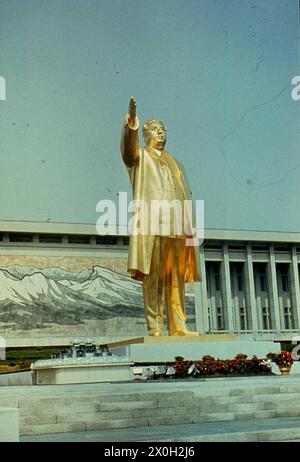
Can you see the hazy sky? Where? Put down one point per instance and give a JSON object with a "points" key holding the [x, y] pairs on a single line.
{"points": [[217, 72]]}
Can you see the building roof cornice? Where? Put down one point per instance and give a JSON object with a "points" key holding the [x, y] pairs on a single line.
{"points": [[218, 234]]}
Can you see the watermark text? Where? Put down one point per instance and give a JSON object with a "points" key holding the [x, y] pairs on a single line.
{"points": [[2, 89], [296, 90], [152, 218]]}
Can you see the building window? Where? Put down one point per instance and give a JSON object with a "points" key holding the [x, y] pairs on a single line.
{"points": [[240, 281], [50, 239], [209, 318], [207, 282], [216, 273], [283, 274], [107, 240], [20, 237], [207, 285], [79, 239], [243, 318], [217, 281], [220, 318], [282, 248], [262, 278], [1, 237], [288, 318], [212, 246], [285, 282], [266, 318], [260, 248], [236, 247]]}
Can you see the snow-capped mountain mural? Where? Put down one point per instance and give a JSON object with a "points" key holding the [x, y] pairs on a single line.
{"points": [[32, 298]]}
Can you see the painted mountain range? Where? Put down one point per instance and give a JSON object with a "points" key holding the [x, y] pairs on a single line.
{"points": [[33, 298]]}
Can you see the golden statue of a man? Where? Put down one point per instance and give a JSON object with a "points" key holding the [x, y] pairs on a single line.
{"points": [[161, 259]]}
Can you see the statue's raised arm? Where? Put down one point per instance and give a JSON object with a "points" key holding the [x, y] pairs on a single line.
{"points": [[130, 148], [132, 112]]}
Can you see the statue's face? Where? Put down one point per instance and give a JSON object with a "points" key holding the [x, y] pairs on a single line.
{"points": [[155, 135]]}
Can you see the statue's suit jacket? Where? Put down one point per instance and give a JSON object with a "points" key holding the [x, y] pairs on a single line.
{"points": [[147, 172]]}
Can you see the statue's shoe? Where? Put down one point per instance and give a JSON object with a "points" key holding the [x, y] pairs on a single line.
{"points": [[185, 332], [156, 333]]}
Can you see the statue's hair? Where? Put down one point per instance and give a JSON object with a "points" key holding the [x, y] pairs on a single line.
{"points": [[150, 123]]}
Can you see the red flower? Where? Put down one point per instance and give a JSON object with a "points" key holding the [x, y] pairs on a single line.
{"points": [[284, 358], [211, 366]]}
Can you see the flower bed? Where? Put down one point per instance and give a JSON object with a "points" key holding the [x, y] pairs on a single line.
{"points": [[209, 366]]}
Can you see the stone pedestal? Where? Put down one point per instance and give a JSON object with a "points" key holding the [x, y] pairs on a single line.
{"points": [[83, 373], [164, 349]]}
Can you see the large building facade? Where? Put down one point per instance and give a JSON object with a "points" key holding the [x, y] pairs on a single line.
{"points": [[250, 284], [60, 281]]}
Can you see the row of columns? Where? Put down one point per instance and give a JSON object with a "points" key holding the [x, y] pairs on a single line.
{"points": [[201, 297]]}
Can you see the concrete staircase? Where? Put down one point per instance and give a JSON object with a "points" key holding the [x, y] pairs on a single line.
{"points": [[80, 408]]}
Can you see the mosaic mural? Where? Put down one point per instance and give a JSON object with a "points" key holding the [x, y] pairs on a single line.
{"points": [[54, 301]]}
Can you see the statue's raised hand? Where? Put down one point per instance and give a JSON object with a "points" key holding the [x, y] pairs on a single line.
{"points": [[132, 111]]}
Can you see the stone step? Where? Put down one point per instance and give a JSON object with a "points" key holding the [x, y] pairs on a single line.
{"points": [[41, 406], [159, 406], [56, 409], [277, 429], [156, 406], [93, 414], [275, 435]]}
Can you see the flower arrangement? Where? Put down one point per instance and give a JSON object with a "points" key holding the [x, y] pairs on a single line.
{"points": [[282, 359], [209, 366]]}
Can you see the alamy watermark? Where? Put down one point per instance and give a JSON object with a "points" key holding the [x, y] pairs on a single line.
{"points": [[296, 90], [153, 217], [2, 89]]}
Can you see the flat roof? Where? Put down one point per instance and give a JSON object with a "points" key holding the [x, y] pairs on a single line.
{"points": [[7, 226]]}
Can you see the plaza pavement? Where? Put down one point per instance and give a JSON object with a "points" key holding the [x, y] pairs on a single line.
{"points": [[243, 427]]}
